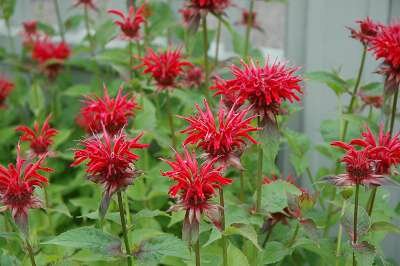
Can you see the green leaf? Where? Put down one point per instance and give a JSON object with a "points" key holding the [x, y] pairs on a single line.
{"points": [[245, 231], [332, 80], [36, 102], [46, 28], [274, 252], [236, 257], [77, 90], [214, 236], [363, 221], [104, 33], [275, 195], [154, 249], [146, 117], [385, 226], [61, 137], [88, 238], [7, 8], [149, 214], [73, 22]]}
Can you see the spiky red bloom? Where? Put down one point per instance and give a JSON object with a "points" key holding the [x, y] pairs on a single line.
{"points": [[130, 23], [17, 185], [40, 139], [194, 187], [113, 113], [6, 87], [214, 6], [188, 15], [29, 33], [222, 137], [86, 4], [110, 159], [360, 167], [372, 100], [368, 30], [50, 55], [193, 77], [385, 150], [265, 88], [386, 46], [165, 67], [250, 19]]}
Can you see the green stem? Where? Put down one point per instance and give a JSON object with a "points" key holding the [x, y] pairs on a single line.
{"points": [[205, 48], [248, 30], [10, 37], [30, 252], [344, 133], [197, 252], [355, 220], [170, 120], [339, 236], [268, 235], [130, 59], [223, 238], [259, 169], [91, 42], [296, 231], [241, 186], [354, 94], [218, 39], [59, 20], [128, 211], [124, 228], [372, 196]]}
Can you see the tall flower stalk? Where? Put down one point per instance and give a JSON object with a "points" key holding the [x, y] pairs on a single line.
{"points": [[260, 157], [223, 237], [59, 20], [218, 39], [355, 221], [124, 227], [170, 119], [205, 52], [88, 34], [248, 29]]}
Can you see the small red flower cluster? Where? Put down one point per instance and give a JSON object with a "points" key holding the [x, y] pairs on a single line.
{"points": [[130, 23], [265, 88], [221, 137], [40, 139], [17, 184], [367, 32], [6, 87], [250, 19], [86, 3], [112, 113], [50, 55], [195, 186], [165, 67], [368, 160], [371, 100], [213, 6], [193, 77], [30, 33]]}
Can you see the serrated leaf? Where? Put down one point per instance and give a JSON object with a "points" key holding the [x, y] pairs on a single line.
{"points": [[332, 80], [245, 231], [88, 238], [149, 214], [275, 195], [385, 226], [73, 22], [274, 252], [36, 101], [214, 236], [77, 90], [146, 118]]}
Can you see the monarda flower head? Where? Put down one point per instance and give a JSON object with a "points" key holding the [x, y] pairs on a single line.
{"points": [[371, 100], [50, 56], [367, 32], [30, 33], [129, 23], [112, 113], [6, 87], [249, 19], [194, 187], [360, 167], [213, 6], [109, 162], [86, 4], [193, 77], [385, 150], [386, 46], [39, 138], [265, 88], [222, 137], [165, 67], [17, 185]]}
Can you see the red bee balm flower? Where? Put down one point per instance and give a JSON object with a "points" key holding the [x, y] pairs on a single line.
{"points": [[195, 186], [214, 6], [86, 3], [193, 77], [113, 113], [367, 32], [371, 100], [264, 87], [385, 149], [30, 33], [110, 162], [165, 67], [250, 19], [39, 138], [17, 185], [223, 137], [360, 167], [386, 45], [130, 23], [5, 88], [50, 55]]}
